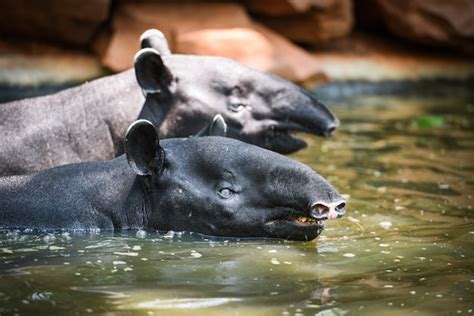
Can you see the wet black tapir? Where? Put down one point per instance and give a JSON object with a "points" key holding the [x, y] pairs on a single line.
{"points": [[178, 93], [211, 185]]}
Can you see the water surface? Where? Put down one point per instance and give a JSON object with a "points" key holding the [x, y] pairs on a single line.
{"points": [[405, 246]]}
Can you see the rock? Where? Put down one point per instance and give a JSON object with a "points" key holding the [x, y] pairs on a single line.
{"points": [[432, 22], [219, 29], [131, 19], [305, 21], [258, 48], [60, 21], [368, 16], [292, 62], [243, 44], [280, 8]]}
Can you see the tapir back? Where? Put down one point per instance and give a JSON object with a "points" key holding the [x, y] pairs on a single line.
{"points": [[84, 123], [76, 196]]}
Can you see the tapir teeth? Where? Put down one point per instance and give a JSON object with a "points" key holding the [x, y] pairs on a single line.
{"points": [[304, 219]]}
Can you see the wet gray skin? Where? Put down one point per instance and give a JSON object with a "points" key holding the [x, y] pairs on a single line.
{"points": [[211, 185], [183, 93]]}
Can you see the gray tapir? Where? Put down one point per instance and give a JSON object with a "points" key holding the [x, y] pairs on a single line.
{"points": [[183, 92], [212, 185]]}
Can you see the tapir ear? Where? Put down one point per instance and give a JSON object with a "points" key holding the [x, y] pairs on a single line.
{"points": [[153, 38], [142, 148], [218, 127], [152, 74]]}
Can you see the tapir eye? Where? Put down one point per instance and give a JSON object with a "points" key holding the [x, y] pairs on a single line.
{"points": [[226, 193], [237, 106]]}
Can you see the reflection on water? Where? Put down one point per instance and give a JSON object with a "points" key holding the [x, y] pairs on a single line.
{"points": [[405, 246]]}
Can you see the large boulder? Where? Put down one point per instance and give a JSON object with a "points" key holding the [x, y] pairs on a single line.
{"points": [[257, 47], [222, 29], [131, 19], [432, 22], [305, 21], [61, 21], [243, 44]]}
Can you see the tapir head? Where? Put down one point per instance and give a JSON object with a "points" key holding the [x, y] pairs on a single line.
{"points": [[259, 108], [223, 187]]}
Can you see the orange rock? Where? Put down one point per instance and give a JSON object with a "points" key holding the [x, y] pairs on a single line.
{"points": [[222, 29], [60, 21], [433, 22], [259, 48], [306, 21], [130, 20], [281, 7], [292, 62], [243, 44]]}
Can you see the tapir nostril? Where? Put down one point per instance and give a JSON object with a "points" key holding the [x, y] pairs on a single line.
{"points": [[330, 130], [341, 208], [319, 211], [321, 208]]}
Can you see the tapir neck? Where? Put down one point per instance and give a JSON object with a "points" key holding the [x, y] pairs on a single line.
{"points": [[121, 104], [98, 195]]}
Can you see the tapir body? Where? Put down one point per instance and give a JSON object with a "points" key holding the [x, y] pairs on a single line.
{"points": [[179, 93], [84, 123], [211, 185]]}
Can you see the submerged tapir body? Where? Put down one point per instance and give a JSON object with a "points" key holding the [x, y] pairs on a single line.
{"points": [[182, 93], [211, 185]]}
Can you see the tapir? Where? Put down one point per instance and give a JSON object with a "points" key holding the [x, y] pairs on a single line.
{"points": [[211, 185], [178, 93]]}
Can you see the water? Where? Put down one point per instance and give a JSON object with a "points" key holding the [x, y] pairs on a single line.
{"points": [[404, 247]]}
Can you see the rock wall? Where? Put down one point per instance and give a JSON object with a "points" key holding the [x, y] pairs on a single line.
{"points": [[305, 21], [263, 34], [432, 22], [72, 22], [220, 29]]}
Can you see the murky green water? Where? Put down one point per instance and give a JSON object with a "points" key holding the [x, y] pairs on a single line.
{"points": [[405, 247]]}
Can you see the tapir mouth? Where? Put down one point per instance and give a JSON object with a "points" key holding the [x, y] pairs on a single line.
{"points": [[282, 139], [299, 219], [305, 221], [294, 226]]}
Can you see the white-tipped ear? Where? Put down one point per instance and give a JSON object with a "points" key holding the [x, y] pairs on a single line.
{"points": [[151, 33], [151, 73], [142, 148], [155, 39], [218, 127]]}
